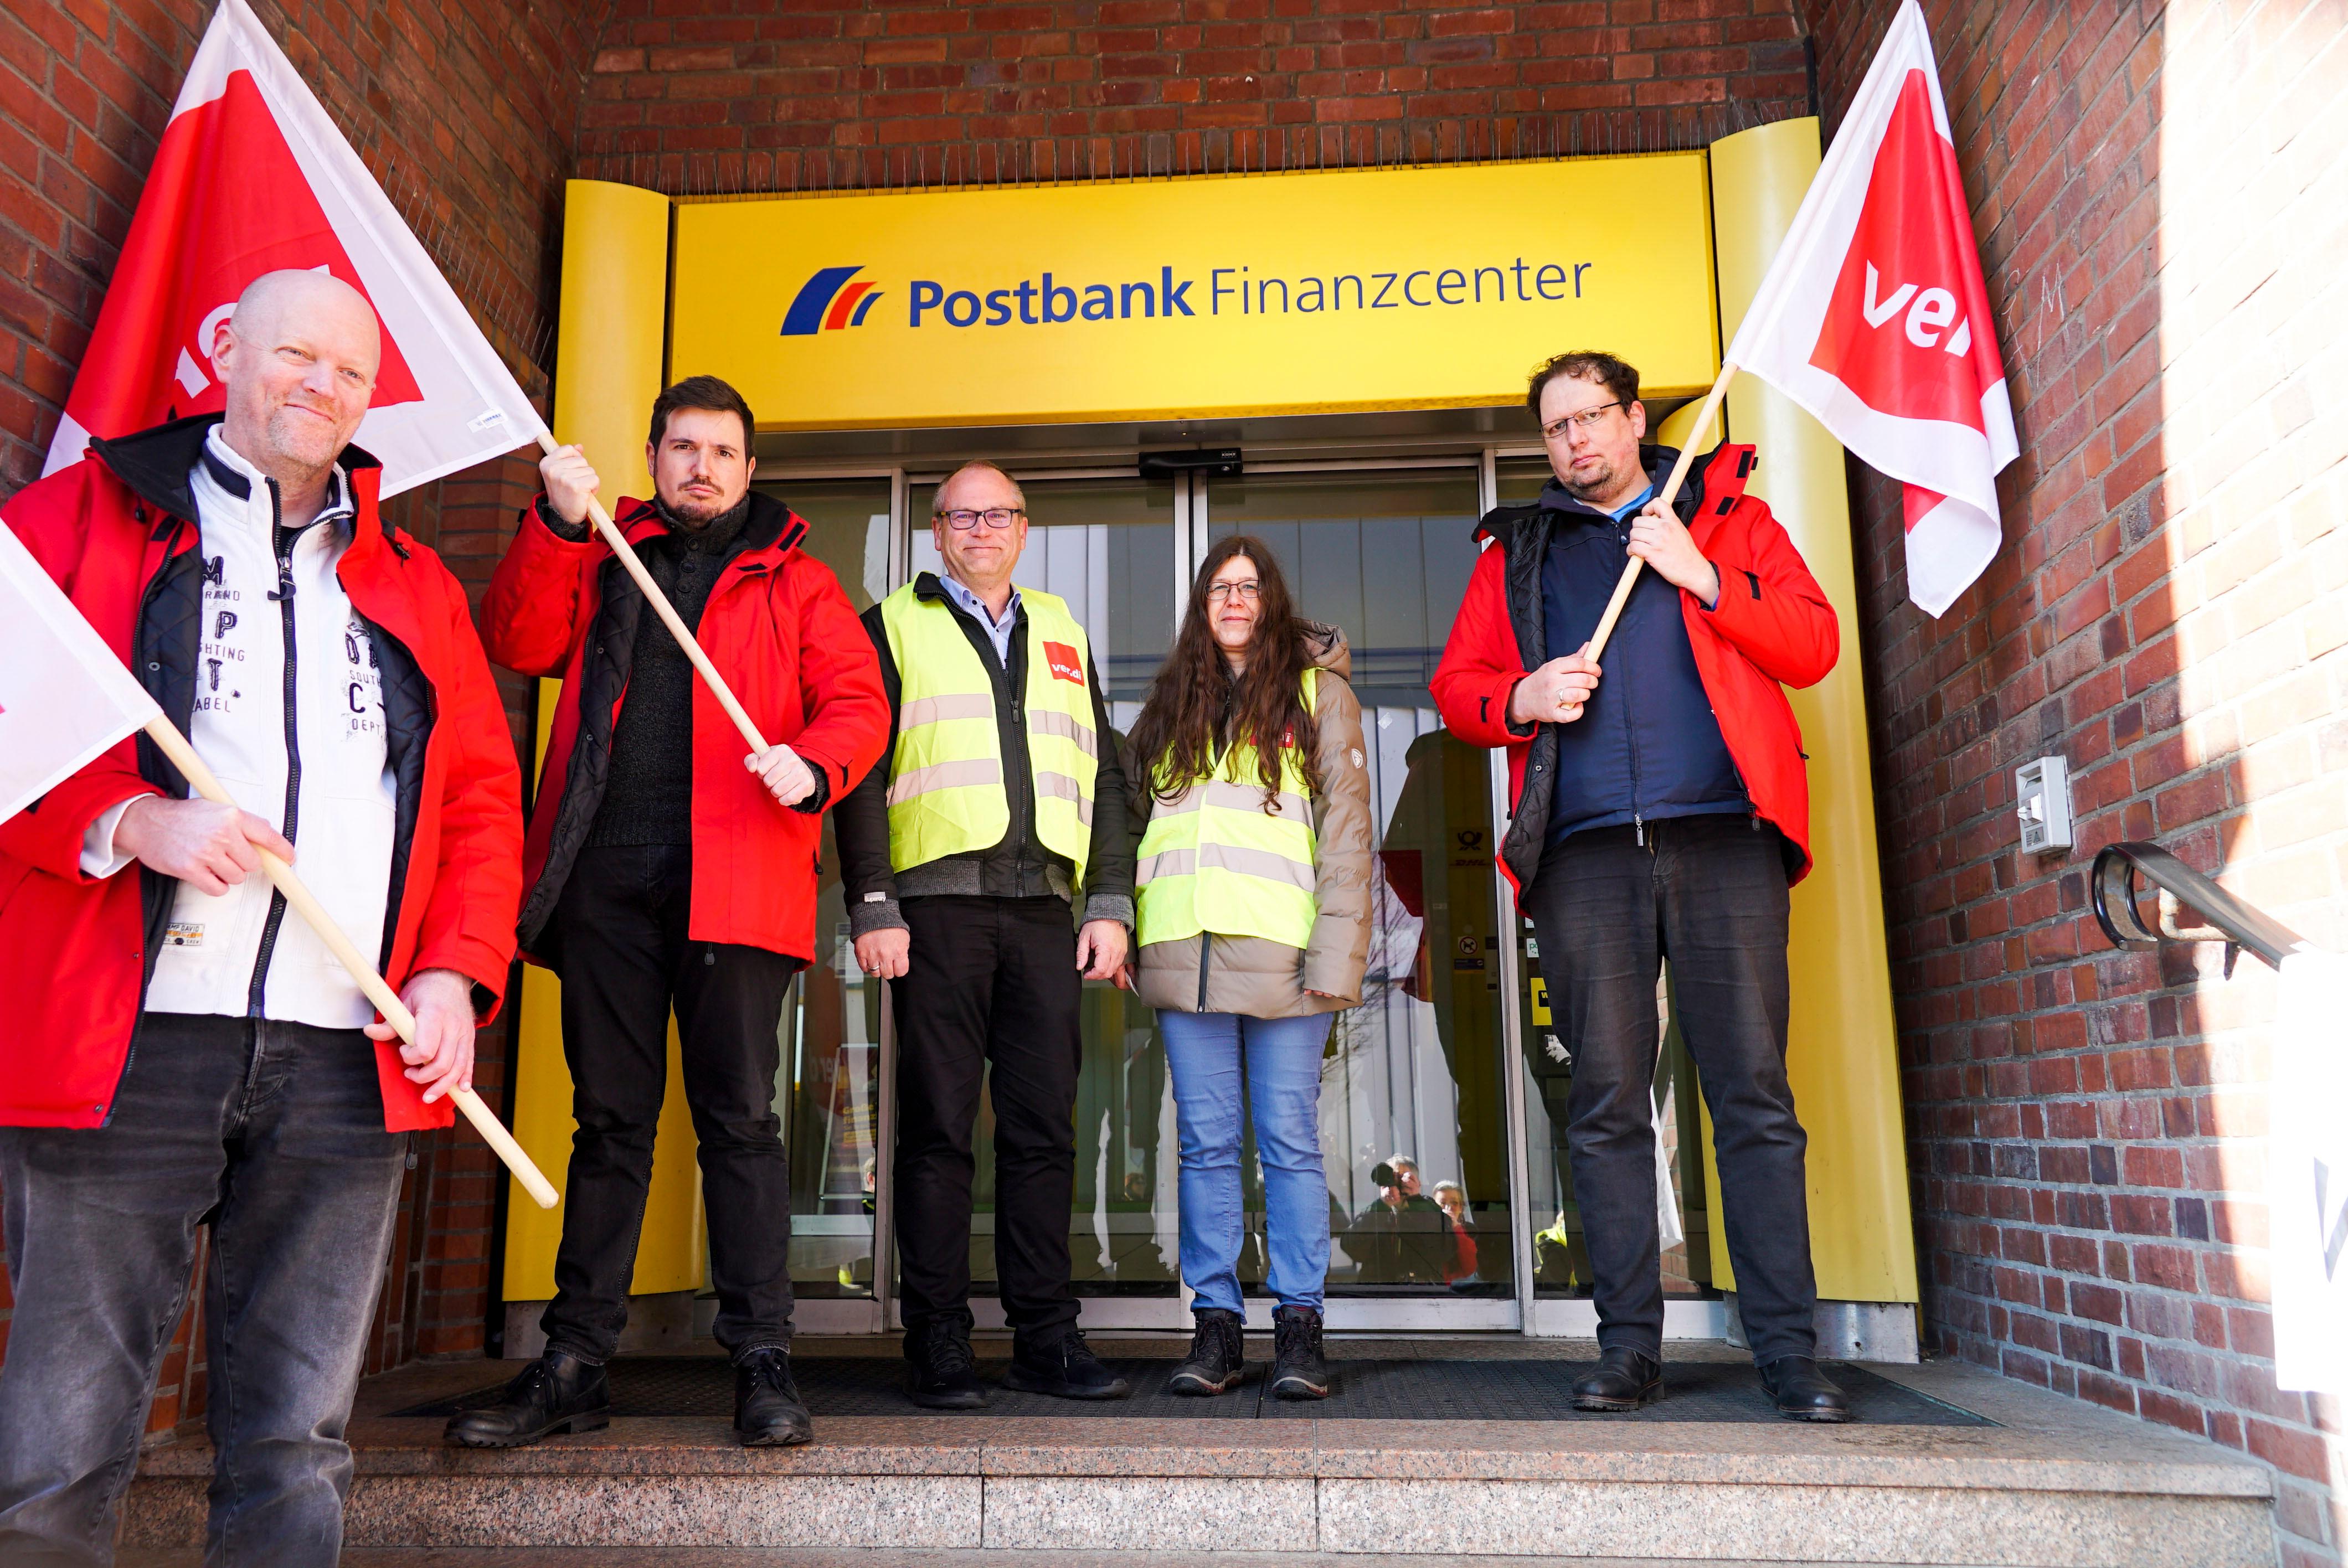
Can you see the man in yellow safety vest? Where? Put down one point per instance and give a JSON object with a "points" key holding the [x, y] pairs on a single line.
{"points": [[961, 854]]}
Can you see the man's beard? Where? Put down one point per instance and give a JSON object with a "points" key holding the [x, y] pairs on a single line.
{"points": [[696, 514], [302, 441], [1602, 483]]}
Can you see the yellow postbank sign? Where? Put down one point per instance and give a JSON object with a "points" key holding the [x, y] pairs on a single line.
{"points": [[1253, 294]]}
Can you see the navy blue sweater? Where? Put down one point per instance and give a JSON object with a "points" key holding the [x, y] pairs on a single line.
{"points": [[1647, 746]]}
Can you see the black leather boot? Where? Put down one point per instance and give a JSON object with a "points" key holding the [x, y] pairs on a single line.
{"points": [[1624, 1381], [1063, 1366], [1218, 1357], [1298, 1368], [558, 1392], [768, 1410], [940, 1374], [1802, 1391]]}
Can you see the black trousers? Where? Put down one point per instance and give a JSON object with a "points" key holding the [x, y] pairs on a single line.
{"points": [[272, 1133], [991, 982], [1708, 893], [626, 964]]}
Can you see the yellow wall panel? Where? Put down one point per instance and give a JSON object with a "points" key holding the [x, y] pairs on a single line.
{"points": [[1843, 1047], [609, 368]]}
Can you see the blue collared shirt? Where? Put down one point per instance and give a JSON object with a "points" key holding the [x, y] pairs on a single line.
{"points": [[997, 631]]}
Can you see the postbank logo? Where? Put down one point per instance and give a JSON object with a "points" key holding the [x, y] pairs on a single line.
{"points": [[828, 301]]}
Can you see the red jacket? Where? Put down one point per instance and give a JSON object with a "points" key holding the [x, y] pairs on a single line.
{"points": [[117, 531], [780, 630], [1772, 629]]}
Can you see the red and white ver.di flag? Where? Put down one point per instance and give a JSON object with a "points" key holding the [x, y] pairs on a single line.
{"points": [[252, 176], [1873, 317], [65, 697]]}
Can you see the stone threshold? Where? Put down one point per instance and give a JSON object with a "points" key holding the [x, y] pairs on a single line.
{"points": [[848, 1557], [2056, 1484]]}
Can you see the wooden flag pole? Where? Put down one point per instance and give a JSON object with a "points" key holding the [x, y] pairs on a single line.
{"points": [[665, 611], [183, 756], [1695, 436]]}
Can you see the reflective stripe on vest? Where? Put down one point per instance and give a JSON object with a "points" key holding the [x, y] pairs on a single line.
{"points": [[946, 777], [1214, 859]]}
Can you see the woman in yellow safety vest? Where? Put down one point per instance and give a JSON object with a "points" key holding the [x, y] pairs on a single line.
{"points": [[1253, 894]]}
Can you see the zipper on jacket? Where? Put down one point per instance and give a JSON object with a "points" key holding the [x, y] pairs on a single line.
{"points": [[1206, 947], [145, 949], [1630, 744], [255, 994]]}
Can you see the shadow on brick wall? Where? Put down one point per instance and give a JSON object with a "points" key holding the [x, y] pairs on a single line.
{"points": [[2085, 1126]]}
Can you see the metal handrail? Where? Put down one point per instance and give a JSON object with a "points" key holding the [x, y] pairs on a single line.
{"points": [[2241, 926]]}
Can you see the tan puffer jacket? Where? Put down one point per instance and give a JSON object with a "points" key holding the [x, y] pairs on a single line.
{"points": [[1263, 979]]}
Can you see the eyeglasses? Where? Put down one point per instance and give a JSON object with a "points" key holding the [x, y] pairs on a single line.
{"points": [[962, 520], [1245, 592], [1585, 419]]}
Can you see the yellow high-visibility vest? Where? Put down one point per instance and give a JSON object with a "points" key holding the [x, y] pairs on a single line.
{"points": [[1214, 859], [945, 778]]}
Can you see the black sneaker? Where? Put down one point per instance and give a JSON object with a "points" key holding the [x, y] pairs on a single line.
{"points": [[556, 1393], [1298, 1368], [1218, 1357], [1063, 1368], [768, 1410], [942, 1375], [1624, 1381]]}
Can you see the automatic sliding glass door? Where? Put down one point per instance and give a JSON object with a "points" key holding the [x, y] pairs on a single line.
{"points": [[827, 1093], [1413, 1080], [1413, 1121]]}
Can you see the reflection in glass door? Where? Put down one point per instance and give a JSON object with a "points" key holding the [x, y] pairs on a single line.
{"points": [[1106, 544], [1413, 1102]]}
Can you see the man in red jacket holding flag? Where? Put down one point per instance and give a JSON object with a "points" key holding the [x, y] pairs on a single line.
{"points": [[181, 1049], [665, 875], [1659, 810]]}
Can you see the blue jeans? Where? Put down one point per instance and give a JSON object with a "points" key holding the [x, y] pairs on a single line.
{"points": [[1281, 1059], [272, 1133]]}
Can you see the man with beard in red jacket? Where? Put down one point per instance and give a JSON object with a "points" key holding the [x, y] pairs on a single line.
{"points": [[180, 1050], [667, 871], [1660, 811]]}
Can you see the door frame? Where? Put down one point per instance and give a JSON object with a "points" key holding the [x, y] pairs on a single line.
{"points": [[1519, 1313]]}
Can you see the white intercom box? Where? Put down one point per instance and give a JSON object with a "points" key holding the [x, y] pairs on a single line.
{"points": [[2042, 791]]}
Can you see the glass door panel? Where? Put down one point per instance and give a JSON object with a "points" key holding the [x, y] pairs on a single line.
{"points": [[827, 1091], [1107, 545], [1413, 1122], [1560, 1259]]}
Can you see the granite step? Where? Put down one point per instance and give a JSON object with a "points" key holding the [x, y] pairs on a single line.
{"points": [[848, 1557], [2037, 1481]]}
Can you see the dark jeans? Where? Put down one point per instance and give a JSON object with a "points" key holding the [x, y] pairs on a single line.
{"points": [[990, 982], [1709, 894], [272, 1133], [626, 963]]}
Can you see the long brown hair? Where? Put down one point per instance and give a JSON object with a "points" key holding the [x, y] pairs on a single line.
{"points": [[1195, 704]]}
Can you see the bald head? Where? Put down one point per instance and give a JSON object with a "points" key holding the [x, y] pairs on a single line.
{"points": [[298, 359], [316, 302]]}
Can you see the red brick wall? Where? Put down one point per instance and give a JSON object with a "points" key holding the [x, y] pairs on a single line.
{"points": [[465, 113], [2149, 185], [701, 97]]}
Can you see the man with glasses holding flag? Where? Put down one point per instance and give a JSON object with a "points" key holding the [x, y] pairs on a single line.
{"points": [[1658, 810], [963, 854]]}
